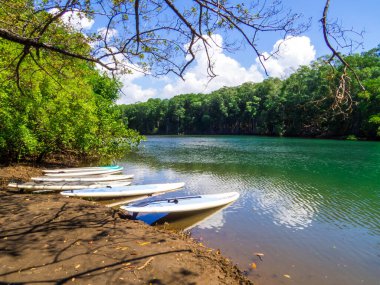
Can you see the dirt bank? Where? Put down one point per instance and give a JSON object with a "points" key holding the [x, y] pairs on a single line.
{"points": [[18, 172], [53, 239]]}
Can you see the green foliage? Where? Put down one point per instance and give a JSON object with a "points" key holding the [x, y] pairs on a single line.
{"points": [[351, 138], [375, 120], [301, 105], [63, 106]]}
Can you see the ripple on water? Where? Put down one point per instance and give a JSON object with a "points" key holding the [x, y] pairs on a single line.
{"points": [[310, 207]]}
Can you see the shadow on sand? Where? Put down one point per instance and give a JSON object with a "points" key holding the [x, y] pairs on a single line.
{"points": [[56, 240]]}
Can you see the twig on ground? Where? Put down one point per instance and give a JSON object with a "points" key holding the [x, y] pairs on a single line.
{"points": [[145, 264]]}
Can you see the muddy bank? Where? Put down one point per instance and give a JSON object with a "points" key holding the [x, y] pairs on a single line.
{"points": [[19, 172], [53, 239]]}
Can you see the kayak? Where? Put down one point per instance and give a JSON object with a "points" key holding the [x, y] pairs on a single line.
{"points": [[67, 185], [133, 190], [94, 178], [79, 169], [182, 204], [85, 173]]}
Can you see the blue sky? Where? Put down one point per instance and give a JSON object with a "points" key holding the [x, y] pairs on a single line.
{"points": [[241, 66], [360, 15]]}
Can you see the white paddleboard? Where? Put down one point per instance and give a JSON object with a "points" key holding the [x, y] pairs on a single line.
{"points": [[67, 185], [84, 173], [95, 178], [133, 190], [182, 204], [79, 169]]}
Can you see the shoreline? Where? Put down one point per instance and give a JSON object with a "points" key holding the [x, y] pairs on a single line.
{"points": [[328, 138], [55, 239]]}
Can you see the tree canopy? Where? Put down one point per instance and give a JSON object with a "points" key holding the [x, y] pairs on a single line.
{"points": [[65, 104], [145, 35]]}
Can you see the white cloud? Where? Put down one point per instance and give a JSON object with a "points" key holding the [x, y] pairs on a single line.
{"points": [[111, 33], [133, 92], [291, 54], [77, 20], [229, 72]]}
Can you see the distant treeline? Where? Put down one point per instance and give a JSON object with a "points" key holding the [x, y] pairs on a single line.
{"points": [[305, 104]]}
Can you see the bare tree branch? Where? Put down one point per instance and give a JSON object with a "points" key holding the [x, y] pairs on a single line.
{"points": [[27, 42], [342, 94], [152, 36], [137, 25]]}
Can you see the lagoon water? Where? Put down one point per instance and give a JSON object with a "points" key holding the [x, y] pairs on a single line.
{"points": [[312, 207]]}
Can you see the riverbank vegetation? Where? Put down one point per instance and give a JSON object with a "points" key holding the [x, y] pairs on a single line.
{"points": [[53, 104], [305, 104]]}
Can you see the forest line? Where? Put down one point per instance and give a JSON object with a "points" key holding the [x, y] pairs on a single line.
{"points": [[303, 105]]}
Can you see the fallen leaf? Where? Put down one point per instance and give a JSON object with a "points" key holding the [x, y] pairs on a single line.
{"points": [[287, 276], [253, 265], [76, 267], [144, 243]]}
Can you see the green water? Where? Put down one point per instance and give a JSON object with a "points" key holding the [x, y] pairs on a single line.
{"points": [[311, 206]]}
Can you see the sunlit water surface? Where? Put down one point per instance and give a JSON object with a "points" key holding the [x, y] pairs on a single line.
{"points": [[312, 207]]}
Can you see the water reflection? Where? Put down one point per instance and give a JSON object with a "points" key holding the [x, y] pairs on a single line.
{"points": [[312, 206], [289, 204], [295, 181], [210, 219]]}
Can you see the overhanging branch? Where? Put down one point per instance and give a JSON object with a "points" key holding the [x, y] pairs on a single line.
{"points": [[5, 34]]}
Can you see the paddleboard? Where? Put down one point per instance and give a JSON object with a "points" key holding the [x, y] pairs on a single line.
{"points": [[95, 178], [116, 202], [85, 173], [67, 185], [182, 204], [76, 169], [133, 190]]}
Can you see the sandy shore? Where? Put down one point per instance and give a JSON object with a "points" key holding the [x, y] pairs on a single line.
{"points": [[49, 239]]}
